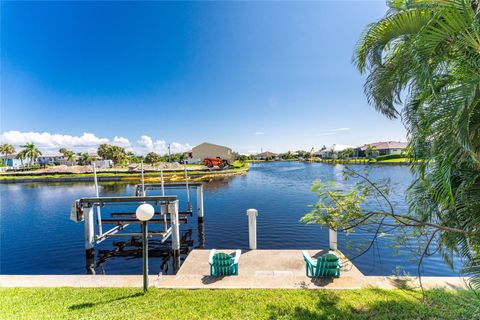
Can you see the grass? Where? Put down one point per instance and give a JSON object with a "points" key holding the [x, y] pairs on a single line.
{"points": [[345, 161], [125, 174], [240, 164], [396, 160], [361, 161], [123, 303]]}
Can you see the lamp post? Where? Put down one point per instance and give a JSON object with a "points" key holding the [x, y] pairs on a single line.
{"points": [[144, 213]]}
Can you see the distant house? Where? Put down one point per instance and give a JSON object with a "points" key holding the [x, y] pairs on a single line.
{"points": [[384, 148], [333, 151], [12, 161], [48, 158], [209, 150], [266, 155], [103, 163]]}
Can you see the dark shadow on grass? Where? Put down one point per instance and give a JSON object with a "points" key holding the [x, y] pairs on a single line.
{"points": [[402, 284], [388, 304], [86, 305]]}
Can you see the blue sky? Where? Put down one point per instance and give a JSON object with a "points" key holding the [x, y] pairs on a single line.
{"points": [[250, 75]]}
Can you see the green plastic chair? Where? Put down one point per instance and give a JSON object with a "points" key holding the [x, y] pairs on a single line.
{"points": [[222, 264], [327, 265]]}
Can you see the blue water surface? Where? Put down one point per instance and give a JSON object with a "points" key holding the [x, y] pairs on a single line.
{"points": [[37, 236]]}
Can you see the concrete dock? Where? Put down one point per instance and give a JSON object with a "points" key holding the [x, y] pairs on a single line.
{"points": [[269, 269], [266, 269], [262, 263]]}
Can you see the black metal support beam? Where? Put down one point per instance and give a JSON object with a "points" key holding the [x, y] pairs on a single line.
{"points": [[131, 199], [132, 214], [136, 221]]}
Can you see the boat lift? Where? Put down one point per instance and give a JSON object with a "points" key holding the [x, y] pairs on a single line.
{"points": [[166, 214], [198, 186], [141, 189], [83, 210]]}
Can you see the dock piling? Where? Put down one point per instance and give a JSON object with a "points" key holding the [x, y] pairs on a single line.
{"points": [[89, 236], [173, 210], [200, 203], [189, 205], [97, 193], [332, 239], [252, 228]]}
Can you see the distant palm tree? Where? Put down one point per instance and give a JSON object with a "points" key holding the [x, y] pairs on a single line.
{"points": [[69, 155], [370, 150], [85, 159], [31, 152], [347, 153], [7, 149], [21, 156]]}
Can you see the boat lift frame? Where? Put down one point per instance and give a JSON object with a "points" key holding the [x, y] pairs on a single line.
{"points": [[83, 210], [144, 187]]}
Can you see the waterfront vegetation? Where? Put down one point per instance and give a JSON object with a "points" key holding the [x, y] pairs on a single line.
{"points": [[422, 62], [400, 160], [169, 175], [123, 303]]}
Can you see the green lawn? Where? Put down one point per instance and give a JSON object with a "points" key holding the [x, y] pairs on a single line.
{"points": [[71, 303], [395, 160]]}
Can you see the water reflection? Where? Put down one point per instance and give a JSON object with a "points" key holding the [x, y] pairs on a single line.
{"points": [[158, 252], [217, 183], [113, 188], [280, 191]]}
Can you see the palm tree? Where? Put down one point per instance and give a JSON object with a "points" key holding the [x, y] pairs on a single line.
{"points": [[347, 153], [69, 155], [31, 152], [370, 150], [85, 159], [21, 156], [430, 50], [7, 149]]}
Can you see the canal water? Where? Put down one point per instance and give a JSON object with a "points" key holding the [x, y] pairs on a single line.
{"points": [[37, 236]]}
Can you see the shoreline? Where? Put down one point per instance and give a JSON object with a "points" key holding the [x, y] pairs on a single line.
{"points": [[334, 162], [229, 283], [125, 176]]}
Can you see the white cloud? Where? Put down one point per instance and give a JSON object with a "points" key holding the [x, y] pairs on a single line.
{"points": [[50, 141], [146, 143], [121, 142], [340, 129], [259, 133], [331, 132], [159, 146], [89, 142]]}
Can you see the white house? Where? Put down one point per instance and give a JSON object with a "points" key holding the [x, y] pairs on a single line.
{"points": [[12, 161], [385, 147], [51, 158], [333, 151]]}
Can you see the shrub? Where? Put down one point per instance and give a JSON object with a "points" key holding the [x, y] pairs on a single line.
{"points": [[390, 156]]}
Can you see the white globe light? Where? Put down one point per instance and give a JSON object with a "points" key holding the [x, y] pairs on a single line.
{"points": [[145, 212]]}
